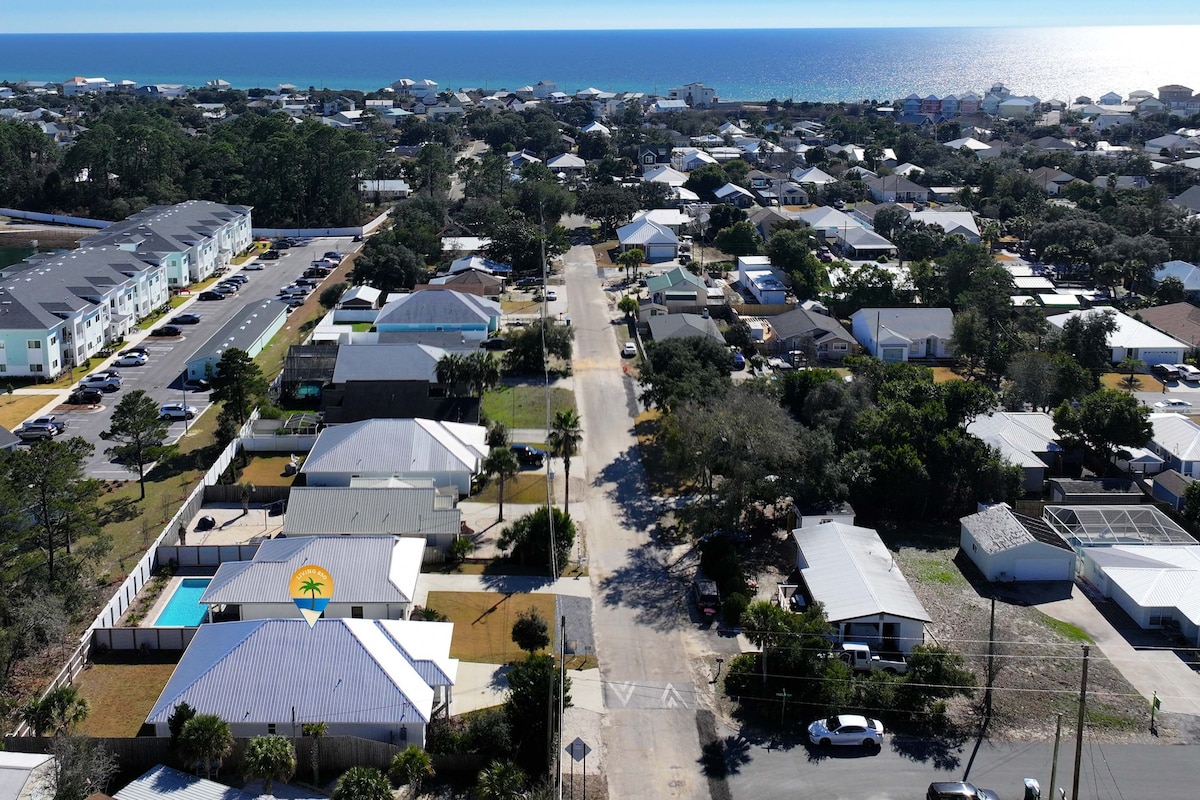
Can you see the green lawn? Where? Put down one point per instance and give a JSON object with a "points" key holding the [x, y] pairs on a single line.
{"points": [[525, 406], [120, 696], [483, 622]]}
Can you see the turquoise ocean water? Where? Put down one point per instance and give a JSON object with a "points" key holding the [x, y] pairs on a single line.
{"points": [[818, 64]]}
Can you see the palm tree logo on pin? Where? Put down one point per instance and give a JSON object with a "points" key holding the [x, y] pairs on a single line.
{"points": [[311, 588]]}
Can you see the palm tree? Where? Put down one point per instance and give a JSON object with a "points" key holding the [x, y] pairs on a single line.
{"points": [[631, 260], [501, 780], [481, 373], [1132, 366], [410, 767], [271, 758], [451, 370], [313, 587], [563, 441], [765, 624], [60, 710], [316, 730], [362, 783], [502, 463], [206, 741]]}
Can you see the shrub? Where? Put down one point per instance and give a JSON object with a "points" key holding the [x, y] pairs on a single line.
{"points": [[733, 607]]}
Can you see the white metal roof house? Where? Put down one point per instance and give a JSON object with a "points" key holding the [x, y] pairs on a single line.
{"points": [[376, 679], [1188, 274], [1176, 440], [850, 571], [26, 776], [375, 577], [658, 242], [1007, 546], [441, 310], [898, 334], [414, 508], [448, 453], [1158, 587], [1133, 338], [1025, 439]]}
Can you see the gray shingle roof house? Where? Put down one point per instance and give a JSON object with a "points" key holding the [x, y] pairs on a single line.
{"points": [[401, 508], [1007, 546], [376, 679], [375, 577], [805, 330], [448, 453], [681, 326], [898, 334]]}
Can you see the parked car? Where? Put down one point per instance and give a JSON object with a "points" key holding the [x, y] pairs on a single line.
{"points": [[30, 432], [102, 381], [239, 279], [861, 659], [494, 343], [58, 423], [293, 301], [846, 729], [227, 288], [211, 295], [270, 255], [529, 456], [333, 255], [958, 790], [254, 266], [133, 360], [307, 282], [739, 361], [281, 244], [185, 319], [1187, 372], [316, 272], [1173, 404], [176, 411], [197, 385], [548, 296], [135, 349], [171, 330], [629, 350], [1165, 372], [84, 397], [708, 597]]}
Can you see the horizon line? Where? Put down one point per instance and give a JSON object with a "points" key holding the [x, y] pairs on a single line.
{"points": [[258, 32]]}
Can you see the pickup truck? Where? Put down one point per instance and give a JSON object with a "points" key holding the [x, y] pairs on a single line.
{"points": [[33, 431], [860, 659], [57, 423]]}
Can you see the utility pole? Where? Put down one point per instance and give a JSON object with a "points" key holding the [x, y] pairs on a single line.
{"points": [[991, 664], [1079, 726], [562, 685], [1054, 760]]}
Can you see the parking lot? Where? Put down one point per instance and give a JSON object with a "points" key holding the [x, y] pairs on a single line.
{"points": [[162, 376]]}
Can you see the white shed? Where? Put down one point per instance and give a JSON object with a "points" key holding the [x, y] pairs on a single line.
{"points": [[1007, 546]]}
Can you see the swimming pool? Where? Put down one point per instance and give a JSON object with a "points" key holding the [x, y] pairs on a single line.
{"points": [[183, 609]]}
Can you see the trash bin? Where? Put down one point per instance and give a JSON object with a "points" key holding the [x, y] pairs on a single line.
{"points": [[1033, 791]]}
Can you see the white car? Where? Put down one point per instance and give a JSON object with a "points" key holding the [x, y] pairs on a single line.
{"points": [[1173, 403], [629, 350], [846, 729], [1187, 372], [253, 266], [175, 411], [132, 360], [105, 382]]}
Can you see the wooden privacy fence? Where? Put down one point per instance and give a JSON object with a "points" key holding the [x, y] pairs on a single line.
{"points": [[139, 639], [232, 493], [138, 754]]}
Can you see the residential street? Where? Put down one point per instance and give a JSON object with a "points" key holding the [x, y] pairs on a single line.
{"points": [[651, 748]]}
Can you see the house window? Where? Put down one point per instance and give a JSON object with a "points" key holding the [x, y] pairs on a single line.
{"points": [[34, 344], [270, 728], [36, 368], [3, 368], [1, 344], [356, 612], [840, 346]]}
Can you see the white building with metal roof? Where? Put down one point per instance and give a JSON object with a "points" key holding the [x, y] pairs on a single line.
{"points": [[1176, 440], [448, 453], [1158, 587], [1007, 546], [1132, 338], [368, 508], [26, 776], [164, 782], [900, 334], [658, 242], [250, 330], [1025, 439], [376, 679], [375, 577], [850, 571]]}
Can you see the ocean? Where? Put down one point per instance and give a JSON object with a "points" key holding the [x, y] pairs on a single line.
{"points": [[811, 64]]}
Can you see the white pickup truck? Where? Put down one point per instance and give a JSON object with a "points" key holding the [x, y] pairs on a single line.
{"points": [[860, 659]]}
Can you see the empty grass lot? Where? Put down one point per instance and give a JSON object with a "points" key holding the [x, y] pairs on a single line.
{"points": [[483, 622], [525, 406], [1119, 380], [527, 487], [16, 408], [120, 696]]}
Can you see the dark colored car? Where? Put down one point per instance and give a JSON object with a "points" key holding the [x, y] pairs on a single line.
{"points": [[494, 343], [708, 597], [170, 330], [212, 296], [739, 361], [270, 255], [197, 385], [529, 456], [84, 397], [282, 244], [1166, 372], [185, 319], [133, 350]]}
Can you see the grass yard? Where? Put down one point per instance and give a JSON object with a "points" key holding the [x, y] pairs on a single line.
{"points": [[943, 374], [267, 471], [524, 306], [483, 622], [16, 408], [525, 406], [120, 695], [527, 487], [1065, 629], [1119, 380], [362, 327]]}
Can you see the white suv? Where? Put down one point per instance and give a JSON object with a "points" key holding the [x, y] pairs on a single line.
{"points": [[102, 380], [1187, 372], [176, 411]]}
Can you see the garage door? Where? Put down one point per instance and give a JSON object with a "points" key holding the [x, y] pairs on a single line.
{"points": [[1152, 357], [1038, 569]]}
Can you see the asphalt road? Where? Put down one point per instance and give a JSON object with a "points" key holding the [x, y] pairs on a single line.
{"points": [[650, 739], [162, 377]]}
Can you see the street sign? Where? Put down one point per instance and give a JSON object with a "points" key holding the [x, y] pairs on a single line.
{"points": [[578, 749]]}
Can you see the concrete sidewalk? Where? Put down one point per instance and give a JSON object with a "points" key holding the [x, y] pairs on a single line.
{"points": [[1148, 670]]}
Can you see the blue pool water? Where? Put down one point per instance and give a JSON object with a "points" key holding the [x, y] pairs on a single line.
{"points": [[184, 609]]}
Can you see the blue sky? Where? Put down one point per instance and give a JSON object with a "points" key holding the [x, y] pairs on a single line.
{"points": [[83, 16]]}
